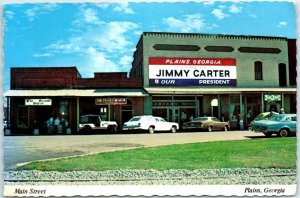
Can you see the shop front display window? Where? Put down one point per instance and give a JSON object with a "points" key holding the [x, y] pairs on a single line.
{"points": [[23, 117]]}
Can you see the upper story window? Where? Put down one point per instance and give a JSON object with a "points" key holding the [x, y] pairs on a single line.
{"points": [[265, 50], [176, 47], [211, 48], [258, 70]]}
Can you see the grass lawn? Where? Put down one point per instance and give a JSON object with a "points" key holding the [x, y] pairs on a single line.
{"points": [[256, 153]]}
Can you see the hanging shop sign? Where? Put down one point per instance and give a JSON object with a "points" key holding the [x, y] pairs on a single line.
{"points": [[38, 102], [272, 97], [111, 101], [192, 71]]}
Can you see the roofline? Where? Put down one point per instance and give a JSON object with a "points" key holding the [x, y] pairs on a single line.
{"points": [[216, 35]]}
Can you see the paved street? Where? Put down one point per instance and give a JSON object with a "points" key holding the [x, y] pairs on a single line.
{"points": [[20, 149]]}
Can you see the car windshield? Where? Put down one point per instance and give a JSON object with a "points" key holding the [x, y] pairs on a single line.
{"points": [[201, 119], [134, 119], [277, 118], [261, 116]]}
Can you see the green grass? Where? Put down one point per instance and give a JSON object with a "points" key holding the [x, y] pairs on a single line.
{"points": [[257, 153]]}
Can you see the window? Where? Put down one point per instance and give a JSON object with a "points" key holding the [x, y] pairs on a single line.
{"points": [[258, 70], [23, 117], [282, 75], [176, 47], [211, 48], [259, 50]]}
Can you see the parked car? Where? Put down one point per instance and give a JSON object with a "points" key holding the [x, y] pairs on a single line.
{"points": [[206, 123], [89, 123], [262, 116], [283, 125], [150, 124]]}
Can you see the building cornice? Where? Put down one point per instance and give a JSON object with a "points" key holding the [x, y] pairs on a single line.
{"points": [[213, 36]]}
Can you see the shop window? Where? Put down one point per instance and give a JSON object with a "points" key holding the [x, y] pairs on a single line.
{"points": [[282, 75], [258, 70], [259, 50], [23, 117], [176, 47], [219, 48]]}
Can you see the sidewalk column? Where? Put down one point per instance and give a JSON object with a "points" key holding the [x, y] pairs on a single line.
{"points": [[78, 116], [262, 103]]}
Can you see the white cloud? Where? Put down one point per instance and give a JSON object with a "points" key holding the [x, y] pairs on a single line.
{"points": [[126, 60], [189, 24], [102, 5], [111, 37], [90, 16], [9, 14], [40, 9], [282, 24], [64, 47], [123, 7], [98, 61], [219, 13], [208, 3], [235, 9], [253, 16], [42, 55]]}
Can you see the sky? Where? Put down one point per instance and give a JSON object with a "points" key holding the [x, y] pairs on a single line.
{"points": [[102, 37]]}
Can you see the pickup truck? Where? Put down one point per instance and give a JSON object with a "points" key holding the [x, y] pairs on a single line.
{"points": [[89, 123]]}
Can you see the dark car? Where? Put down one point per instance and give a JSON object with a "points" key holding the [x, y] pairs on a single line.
{"points": [[206, 123]]}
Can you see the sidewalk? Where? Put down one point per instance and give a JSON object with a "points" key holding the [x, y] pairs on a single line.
{"points": [[20, 149]]}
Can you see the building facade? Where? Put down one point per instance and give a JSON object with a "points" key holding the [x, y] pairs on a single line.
{"points": [[190, 75], [175, 76], [38, 94]]}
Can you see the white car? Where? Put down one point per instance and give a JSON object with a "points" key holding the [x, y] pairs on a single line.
{"points": [[150, 124]]}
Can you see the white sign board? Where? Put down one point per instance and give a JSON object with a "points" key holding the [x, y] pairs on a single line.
{"points": [[38, 102], [192, 71]]}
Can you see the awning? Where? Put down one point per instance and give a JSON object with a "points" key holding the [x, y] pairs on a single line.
{"points": [[78, 92], [197, 91]]}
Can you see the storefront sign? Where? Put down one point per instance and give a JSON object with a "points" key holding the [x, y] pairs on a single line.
{"points": [[272, 97], [111, 101], [38, 102], [192, 71]]}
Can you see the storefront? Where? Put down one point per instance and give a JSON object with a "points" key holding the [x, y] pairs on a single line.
{"points": [[33, 109], [225, 76]]}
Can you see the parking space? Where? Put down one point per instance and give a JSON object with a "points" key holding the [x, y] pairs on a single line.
{"points": [[20, 149]]}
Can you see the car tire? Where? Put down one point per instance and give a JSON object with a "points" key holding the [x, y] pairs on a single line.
{"points": [[268, 134], [151, 129], [173, 129], [87, 129], [112, 129], [209, 128], [284, 133]]}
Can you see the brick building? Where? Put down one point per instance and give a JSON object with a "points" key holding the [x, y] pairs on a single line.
{"points": [[40, 93]]}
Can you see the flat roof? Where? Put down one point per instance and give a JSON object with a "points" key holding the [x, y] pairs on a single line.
{"points": [[77, 92], [197, 91]]}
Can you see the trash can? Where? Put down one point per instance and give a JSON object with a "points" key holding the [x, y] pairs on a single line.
{"points": [[36, 132], [68, 131], [59, 129]]}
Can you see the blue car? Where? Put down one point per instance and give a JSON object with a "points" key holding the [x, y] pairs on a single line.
{"points": [[283, 125]]}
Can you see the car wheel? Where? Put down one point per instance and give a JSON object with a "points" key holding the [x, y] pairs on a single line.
{"points": [[87, 129], [268, 134], [151, 129], [209, 128], [112, 129], [284, 133], [173, 129]]}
